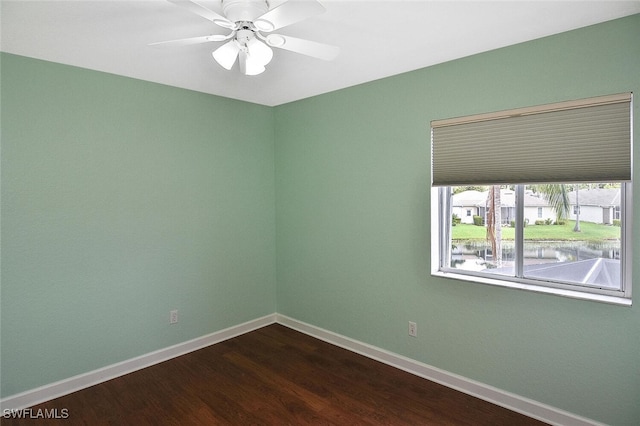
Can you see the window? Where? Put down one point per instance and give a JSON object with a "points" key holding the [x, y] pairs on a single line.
{"points": [[553, 185], [468, 213]]}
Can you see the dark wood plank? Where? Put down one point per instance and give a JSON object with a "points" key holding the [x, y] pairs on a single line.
{"points": [[273, 376]]}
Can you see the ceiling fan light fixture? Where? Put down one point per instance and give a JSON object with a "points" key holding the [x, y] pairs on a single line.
{"points": [[250, 65], [259, 51], [227, 54], [252, 68]]}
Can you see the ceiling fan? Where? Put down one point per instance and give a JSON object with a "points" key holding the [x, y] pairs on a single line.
{"points": [[248, 20]]}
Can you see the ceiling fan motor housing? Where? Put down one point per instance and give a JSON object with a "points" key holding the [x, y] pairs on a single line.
{"points": [[243, 36], [244, 10]]}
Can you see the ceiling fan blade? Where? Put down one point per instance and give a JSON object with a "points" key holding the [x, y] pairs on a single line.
{"points": [[204, 12], [191, 40], [227, 54], [288, 13], [305, 47]]}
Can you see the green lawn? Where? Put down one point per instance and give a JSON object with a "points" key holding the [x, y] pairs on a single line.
{"points": [[589, 232]]}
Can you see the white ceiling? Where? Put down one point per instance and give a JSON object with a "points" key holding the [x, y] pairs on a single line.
{"points": [[377, 39]]}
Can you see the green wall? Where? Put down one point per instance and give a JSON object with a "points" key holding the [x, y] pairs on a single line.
{"points": [[353, 226], [123, 200]]}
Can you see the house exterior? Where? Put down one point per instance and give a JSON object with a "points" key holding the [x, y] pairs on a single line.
{"points": [[471, 203], [599, 205], [467, 204], [535, 207]]}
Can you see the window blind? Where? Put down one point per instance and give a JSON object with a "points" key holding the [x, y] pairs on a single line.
{"points": [[587, 140]]}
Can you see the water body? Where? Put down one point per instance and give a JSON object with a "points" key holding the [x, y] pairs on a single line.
{"points": [[477, 256]]}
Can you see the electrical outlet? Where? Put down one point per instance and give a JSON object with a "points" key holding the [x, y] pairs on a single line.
{"points": [[173, 316], [413, 329]]}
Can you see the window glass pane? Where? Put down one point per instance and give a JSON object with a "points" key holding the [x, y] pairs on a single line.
{"points": [[572, 232], [471, 248], [578, 239]]}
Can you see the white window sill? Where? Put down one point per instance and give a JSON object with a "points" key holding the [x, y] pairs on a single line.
{"points": [[614, 300]]}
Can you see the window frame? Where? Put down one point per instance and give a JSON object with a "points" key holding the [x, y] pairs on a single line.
{"points": [[601, 115], [441, 243]]}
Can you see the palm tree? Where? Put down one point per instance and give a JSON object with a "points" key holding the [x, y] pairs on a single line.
{"points": [[494, 224], [576, 228], [557, 196]]}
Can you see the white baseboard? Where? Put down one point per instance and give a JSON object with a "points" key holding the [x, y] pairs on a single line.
{"points": [[517, 403], [82, 381], [485, 392]]}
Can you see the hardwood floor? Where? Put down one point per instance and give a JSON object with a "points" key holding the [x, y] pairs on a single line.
{"points": [[272, 376]]}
